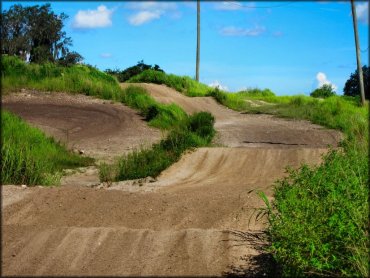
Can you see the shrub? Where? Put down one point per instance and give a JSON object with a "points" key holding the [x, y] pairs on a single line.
{"points": [[319, 220], [126, 74], [324, 91]]}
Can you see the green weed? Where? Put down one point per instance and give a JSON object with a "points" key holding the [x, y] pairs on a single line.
{"points": [[183, 84], [29, 157]]}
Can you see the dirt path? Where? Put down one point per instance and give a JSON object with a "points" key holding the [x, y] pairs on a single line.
{"points": [[100, 128], [245, 130], [177, 225]]}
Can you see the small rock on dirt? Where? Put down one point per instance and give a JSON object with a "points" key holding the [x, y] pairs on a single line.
{"points": [[24, 186]]}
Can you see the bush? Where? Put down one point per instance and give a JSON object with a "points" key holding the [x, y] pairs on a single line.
{"points": [[195, 131], [324, 91], [126, 74], [319, 219]]}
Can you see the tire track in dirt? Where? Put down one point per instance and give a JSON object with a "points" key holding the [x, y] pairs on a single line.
{"points": [[177, 225], [101, 129]]}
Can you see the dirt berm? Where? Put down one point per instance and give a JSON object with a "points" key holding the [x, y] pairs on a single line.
{"points": [[177, 225]]}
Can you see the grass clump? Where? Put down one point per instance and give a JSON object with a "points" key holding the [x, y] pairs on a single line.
{"points": [[16, 74], [194, 131], [158, 115], [319, 219], [182, 84], [29, 157]]}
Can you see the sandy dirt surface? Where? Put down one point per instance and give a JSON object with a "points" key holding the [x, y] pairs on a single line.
{"points": [[99, 128], [182, 223], [245, 130]]}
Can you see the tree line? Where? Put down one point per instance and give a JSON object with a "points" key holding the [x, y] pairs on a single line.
{"points": [[35, 33]]}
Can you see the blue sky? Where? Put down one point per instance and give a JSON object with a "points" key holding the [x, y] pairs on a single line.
{"points": [[289, 47]]}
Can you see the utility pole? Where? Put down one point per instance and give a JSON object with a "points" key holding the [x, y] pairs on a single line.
{"points": [[198, 42], [359, 68]]}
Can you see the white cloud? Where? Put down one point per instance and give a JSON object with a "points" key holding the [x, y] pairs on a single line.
{"points": [[322, 80], [106, 55], [149, 11], [87, 19], [242, 32], [217, 84], [362, 11], [278, 34], [143, 17]]}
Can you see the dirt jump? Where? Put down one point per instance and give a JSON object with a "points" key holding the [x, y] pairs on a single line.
{"points": [[186, 222]]}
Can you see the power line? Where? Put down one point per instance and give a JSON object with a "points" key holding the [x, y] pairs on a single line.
{"points": [[365, 49]]}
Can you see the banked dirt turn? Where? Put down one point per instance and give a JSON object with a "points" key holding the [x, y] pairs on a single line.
{"points": [[178, 225]]}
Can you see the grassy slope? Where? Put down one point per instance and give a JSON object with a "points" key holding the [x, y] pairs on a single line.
{"points": [[319, 219], [29, 157], [90, 81]]}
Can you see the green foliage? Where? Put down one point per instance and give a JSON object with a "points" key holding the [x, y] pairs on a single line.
{"points": [[194, 131], [36, 30], [126, 74], [324, 91], [159, 115], [183, 84], [255, 92], [352, 86], [320, 216], [88, 80], [29, 157]]}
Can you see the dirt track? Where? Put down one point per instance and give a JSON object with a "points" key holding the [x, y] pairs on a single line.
{"points": [[175, 226], [100, 128]]}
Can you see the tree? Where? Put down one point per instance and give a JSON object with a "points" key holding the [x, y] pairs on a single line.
{"points": [[324, 91], [35, 30], [352, 86]]}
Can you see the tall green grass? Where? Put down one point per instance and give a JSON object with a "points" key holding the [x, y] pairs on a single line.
{"points": [[183, 84], [82, 79], [319, 218], [158, 115], [29, 157], [193, 131]]}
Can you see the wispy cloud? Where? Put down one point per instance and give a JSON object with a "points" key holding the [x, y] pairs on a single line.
{"points": [[242, 32], [278, 34], [322, 80], [89, 19], [148, 11], [362, 11], [105, 55], [143, 17], [228, 6]]}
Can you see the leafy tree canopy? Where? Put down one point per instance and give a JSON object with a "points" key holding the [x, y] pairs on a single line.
{"points": [[324, 91], [352, 86], [126, 74], [37, 31]]}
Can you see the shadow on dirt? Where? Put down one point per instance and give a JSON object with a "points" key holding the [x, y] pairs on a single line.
{"points": [[261, 265]]}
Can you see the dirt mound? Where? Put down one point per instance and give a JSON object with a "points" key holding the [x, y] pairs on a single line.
{"points": [[178, 229], [177, 225], [100, 129], [241, 130]]}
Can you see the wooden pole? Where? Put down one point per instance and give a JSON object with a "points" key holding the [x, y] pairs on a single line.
{"points": [[198, 42], [358, 55]]}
